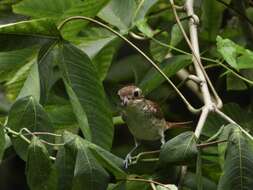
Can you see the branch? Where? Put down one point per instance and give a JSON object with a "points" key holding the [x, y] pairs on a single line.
{"points": [[203, 145], [201, 122], [182, 75], [199, 69], [193, 44]]}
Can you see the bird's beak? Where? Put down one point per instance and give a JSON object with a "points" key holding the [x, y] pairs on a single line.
{"points": [[124, 101]]}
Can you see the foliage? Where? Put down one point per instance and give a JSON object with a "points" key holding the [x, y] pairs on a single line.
{"points": [[59, 109]]}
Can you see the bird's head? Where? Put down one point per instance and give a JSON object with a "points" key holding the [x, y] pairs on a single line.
{"points": [[129, 93]]}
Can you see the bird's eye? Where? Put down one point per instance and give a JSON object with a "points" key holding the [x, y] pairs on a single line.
{"points": [[137, 93]]}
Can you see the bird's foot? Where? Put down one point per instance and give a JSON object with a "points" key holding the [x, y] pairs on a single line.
{"points": [[127, 161]]}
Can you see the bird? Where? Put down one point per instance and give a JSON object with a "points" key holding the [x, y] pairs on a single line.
{"points": [[143, 117]]}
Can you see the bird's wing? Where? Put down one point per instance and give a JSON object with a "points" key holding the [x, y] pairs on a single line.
{"points": [[153, 109]]}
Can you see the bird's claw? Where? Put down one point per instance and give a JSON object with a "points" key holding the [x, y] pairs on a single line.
{"points": [[127, 161]]}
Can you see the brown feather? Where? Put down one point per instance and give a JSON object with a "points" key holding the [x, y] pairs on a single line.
{"points": [[153, 108]]}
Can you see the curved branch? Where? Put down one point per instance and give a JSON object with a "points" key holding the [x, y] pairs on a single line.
{"points": [[189, 106]]}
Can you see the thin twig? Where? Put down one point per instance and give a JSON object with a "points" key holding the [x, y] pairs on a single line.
{"points": [[204, 145], [144, 160], [189, 106], [236, 74], [224, 116], [138, 157], [52, 144], [43, 133], [205, 59], [146, 153], [20, 135]]}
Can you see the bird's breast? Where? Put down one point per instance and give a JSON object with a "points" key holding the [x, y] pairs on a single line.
{"points": [[142, 124]]}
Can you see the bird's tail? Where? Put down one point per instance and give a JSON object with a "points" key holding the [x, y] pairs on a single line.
{"points": [[183, 124]]}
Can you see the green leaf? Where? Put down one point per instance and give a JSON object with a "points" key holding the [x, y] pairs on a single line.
{"points": [[12, 61], [199, 172], [235, 55], [109, 161], [134, 67], [66, 161], [238, 168], [61, 116], [249, 12], [79, 112], [225, 132], [103, 60], [171, 66], [16, 83], [233, 83], [86, 95], [142, 8], [94, 40], [27, 33], [176, 34], [28, 113], [181, 148], [88, 8], [32, 84], [234, 111], [78, 168], [46, 8], [112, 163], [47, 74], [143, 26], [245, 60], [190, 181], [40, 173], [119, 13], [228, 50], [131, 185], [211, 18], [158, 51], [2, 143], [60, 10]]}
